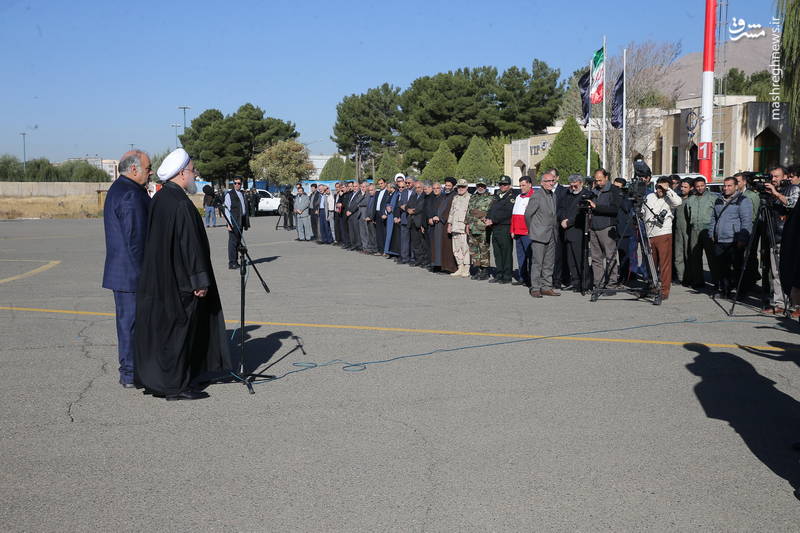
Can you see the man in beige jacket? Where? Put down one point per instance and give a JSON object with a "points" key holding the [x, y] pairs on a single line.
{"points": [[457, 228]]}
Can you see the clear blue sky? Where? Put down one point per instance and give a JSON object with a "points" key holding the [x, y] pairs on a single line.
{"points": [[90, 77]]}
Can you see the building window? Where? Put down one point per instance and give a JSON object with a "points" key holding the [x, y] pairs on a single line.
{"points": [[719, 152], [674, 162], [535, 150]]}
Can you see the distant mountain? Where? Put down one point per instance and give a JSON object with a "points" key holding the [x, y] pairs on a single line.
{"points": [[748, 55]]}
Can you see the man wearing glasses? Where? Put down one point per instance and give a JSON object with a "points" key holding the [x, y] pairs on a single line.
{"points": [[540, 216], [236, 209]]}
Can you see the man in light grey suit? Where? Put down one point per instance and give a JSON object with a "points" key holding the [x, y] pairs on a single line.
{"points": [[363, 201], [540, 216]]}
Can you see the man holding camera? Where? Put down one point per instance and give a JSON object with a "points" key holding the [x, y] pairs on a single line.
{"points": [[572, 209], [784, 195], [603, 231], [699, 209], [658, 215]]}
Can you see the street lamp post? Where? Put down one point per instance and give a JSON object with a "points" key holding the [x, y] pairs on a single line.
{"points": [[24, 155], [176, 126]]}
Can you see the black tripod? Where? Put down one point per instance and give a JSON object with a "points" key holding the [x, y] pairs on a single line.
{"points": [[635, 224], [587, 223], [765, 225], [244, 260]]}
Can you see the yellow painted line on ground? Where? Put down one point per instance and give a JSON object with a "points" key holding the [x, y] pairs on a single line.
{"points": [[430, 331], [38, 270]]}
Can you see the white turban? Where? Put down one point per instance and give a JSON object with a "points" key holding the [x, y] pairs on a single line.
{"points": [[172, 164], [399, 176]]}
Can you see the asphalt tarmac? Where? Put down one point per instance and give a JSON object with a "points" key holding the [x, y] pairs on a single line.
{"points": [[421, 403]]}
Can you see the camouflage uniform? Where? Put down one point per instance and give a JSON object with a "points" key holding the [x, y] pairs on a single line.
{"points": [[477, 233]]}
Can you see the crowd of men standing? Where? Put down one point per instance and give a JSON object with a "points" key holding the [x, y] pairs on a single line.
{"points": [[565, 237]]}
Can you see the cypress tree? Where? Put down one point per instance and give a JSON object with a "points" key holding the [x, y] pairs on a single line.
{"points": [[568, 153], [477, 162], [441, 165], [333, 169], [388, 167]]}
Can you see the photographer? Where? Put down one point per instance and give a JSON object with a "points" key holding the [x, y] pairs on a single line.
{"points": [[603, 231], [658, 215], [783, 197], [699, 209], [572, 209], [731, 222]]}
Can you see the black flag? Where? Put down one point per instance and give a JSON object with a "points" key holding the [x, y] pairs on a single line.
{"points": [[617, 103], [586, 106]]}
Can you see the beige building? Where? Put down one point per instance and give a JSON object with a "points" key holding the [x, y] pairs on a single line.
{"points": [[522, 157], [748, 135]]}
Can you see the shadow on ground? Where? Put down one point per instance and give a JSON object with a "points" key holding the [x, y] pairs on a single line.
{"points": [[766, 419]]}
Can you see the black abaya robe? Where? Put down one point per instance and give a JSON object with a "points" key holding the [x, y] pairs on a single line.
{"points": [[178, 335], [444, 239]]}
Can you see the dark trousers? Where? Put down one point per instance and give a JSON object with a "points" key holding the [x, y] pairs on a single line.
{"points": [[662, 257], [380, 233], [353, 231], [233, 247], [576, 260], [727, 265], [125, 303], [419, 244], [560, 270], [325, 234], [405, 243], [315, 226], [699, 243], [503, 247], [345, 231], [523, 246]]}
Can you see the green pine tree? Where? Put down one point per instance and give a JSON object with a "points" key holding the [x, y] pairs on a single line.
{"points": [[478, 162], [349, 170], [441, 165], [333, 169], [388, 167], [568, 152]]}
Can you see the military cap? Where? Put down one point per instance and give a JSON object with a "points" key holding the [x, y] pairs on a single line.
{"points": [[480, 181], [462, 183], [504, 180]]}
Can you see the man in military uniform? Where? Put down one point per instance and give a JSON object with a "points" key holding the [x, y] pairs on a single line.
{"points": [[699, 209], [680, 232], [498, 219], [478, 234]]}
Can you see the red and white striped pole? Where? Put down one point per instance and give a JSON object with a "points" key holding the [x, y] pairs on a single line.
{"points": [[706, 148]]}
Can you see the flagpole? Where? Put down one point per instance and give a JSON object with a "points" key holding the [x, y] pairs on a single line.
{"points": [[589, 129], [624, 158], [605, 125]]}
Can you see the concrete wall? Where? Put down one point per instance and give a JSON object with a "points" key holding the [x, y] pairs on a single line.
{"points": [[55, 189]]}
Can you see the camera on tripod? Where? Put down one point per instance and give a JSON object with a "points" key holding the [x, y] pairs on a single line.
{"points": [[584, 198], [758, 182], [637, 187]]}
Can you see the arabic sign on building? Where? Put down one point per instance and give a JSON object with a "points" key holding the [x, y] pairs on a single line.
{"points": [[740, 29]]}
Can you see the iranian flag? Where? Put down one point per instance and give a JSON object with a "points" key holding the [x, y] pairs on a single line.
{"points": [[598, 71]]}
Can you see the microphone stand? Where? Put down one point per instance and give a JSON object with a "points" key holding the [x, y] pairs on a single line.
{"points": [[244, 259]]}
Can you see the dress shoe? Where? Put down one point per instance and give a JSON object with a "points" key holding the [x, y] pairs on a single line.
{"points": [[187, 395], [550, 292], [505, 281], [495, 280], [233, 267], [535, 294], [127, 384]]}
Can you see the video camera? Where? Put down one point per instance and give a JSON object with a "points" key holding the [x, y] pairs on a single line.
{"points": [[637, 187], [584, 197], [758, 182]]}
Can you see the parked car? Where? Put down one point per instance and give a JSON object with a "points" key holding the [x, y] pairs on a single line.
{"points": [[267, 202]]}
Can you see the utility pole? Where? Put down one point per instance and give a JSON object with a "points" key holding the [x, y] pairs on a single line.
{"points": [[24, 155], [176, 126], [184, 107]]}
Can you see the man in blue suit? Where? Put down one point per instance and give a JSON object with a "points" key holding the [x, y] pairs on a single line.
{"points": [[125, 220]]}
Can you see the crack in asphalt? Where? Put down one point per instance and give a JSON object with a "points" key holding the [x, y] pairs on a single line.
{"points": [[86, 346]]}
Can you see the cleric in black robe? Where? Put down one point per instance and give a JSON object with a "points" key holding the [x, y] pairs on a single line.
{"points": [[180, 332]]}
